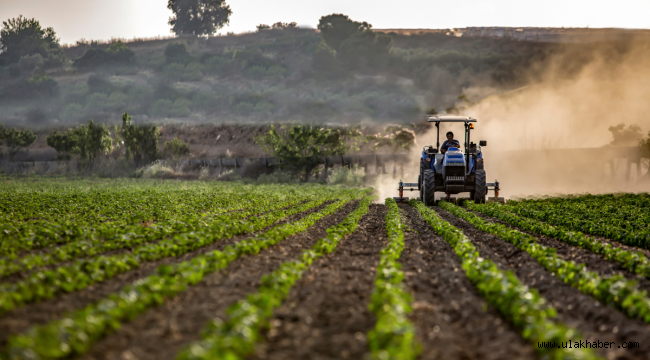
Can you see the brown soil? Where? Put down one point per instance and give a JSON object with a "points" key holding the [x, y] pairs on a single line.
{"points": [[326, 314], [594, 262], [581, 311], [20, 319], [161, 332], [449, 313]]}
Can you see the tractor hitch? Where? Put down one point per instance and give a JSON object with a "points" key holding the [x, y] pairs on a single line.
{"points": [[405, 186], [495, 186]]}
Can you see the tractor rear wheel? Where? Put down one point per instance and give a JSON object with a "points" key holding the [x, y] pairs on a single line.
{"points": [[429, 187], [480, 187]]}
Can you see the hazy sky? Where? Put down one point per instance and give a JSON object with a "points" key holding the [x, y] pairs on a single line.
{"points": [[103, 19]]}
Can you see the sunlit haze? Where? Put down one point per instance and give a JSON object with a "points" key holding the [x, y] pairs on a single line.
{"points": [[101, 19]]}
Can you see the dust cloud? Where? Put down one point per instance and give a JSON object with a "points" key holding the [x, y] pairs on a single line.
{"points": [[539, 135]]}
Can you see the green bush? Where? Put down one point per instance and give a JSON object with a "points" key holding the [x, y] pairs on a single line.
{"points": [[166, 108], [15, 139], [72, 112], [219, 65], [116, 54], [345, 176], [141, 142], [176, 52], [176, 148], [87, 141], [101, 102], [179, 72]]}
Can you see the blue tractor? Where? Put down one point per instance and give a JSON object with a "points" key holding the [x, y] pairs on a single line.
{"points": [[453, 172]]}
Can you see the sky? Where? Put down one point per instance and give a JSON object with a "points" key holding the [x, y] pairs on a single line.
{"points": [[105, 19]]}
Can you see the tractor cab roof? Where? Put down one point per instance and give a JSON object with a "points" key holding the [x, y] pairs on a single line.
{"points": [[451, 118]]}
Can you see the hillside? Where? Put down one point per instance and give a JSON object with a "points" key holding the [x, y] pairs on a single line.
{"points": [[265, 76]]}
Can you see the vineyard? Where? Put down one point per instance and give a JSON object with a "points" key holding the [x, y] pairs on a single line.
{"points": [[150, 269]]}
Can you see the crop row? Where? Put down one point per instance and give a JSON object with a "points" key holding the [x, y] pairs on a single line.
{"points": [[82, 273], [236, 337], [24, 236], [641, 200], [628, 225], [522, 306], [108, 237], [635, 262], [87, 205], [393, 336], [74, 334], [615, 290]]}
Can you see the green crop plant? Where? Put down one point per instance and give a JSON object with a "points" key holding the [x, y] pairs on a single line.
{"points": [[635, 262], [82, 273], [525, 308], [614, 290], [74, 334], [236, 337], [393, 336]]}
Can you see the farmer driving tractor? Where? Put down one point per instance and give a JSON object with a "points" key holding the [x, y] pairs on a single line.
{"points": [[450, 142]]}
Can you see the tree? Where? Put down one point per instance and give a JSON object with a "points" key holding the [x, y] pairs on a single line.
{"points": [[87, 141], [15, 140], [299, 146], [198, 17], [24, 37], [337, 28], [625, 136], [398, 138], [141, 142]]}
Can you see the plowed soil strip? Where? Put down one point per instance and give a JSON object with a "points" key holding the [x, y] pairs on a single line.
{"points": [[594, 320], [326, 314], [593, 261], [161, 332], [449, 313], [21, 318]]}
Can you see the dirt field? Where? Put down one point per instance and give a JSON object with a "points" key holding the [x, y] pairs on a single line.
{"points": [[326, 313]]}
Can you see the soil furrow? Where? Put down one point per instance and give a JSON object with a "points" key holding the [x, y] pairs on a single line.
{"points": [[593, 261], [161, 332], [452, 319], [326, 314], [594, 320], [42, 312]]}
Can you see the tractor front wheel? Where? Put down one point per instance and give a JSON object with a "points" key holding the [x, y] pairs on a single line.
{"points": [[429, 188], [480, 187]]}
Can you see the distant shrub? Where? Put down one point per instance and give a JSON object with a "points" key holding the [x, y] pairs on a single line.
{"points": [[167, 108], [158, 169], [72, 112], [252, 104], [219, 65], [97, 83], [141, 142], [101, 102], [278, 177], [345, 176], [176, 148], [117, 53], [38, 86], [180, 72], [176, 52]]}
